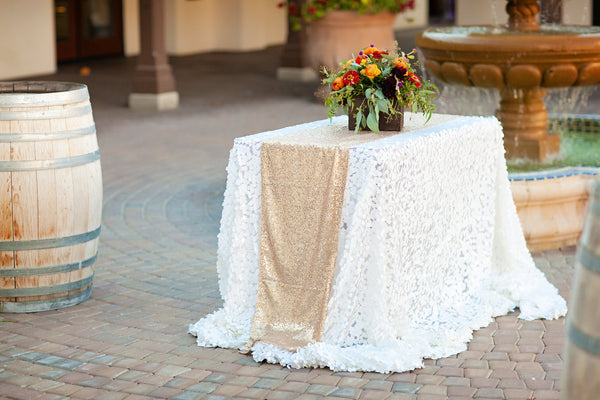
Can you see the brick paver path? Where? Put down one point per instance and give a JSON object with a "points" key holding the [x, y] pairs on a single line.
{"points": [[164, 176]]}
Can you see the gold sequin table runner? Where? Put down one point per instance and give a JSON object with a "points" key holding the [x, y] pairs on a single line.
{"points": [[302, 189]]}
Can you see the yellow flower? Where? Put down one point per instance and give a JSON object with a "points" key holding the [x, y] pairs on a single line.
{"points": [[371, 71], [365, 2]]}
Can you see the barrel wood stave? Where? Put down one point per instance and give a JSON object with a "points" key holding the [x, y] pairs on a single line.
{"points": [[582, 349]]}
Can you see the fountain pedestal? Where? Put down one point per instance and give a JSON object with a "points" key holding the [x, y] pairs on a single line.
{"points": [[524, 120]]}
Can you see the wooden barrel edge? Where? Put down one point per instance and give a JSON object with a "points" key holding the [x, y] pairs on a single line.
{"points": [[46, 290], [583, 341], [46, 305], [41, 93]]}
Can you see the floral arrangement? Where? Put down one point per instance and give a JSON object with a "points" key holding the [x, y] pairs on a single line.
{"points": [[311, 10], [378, 81]]}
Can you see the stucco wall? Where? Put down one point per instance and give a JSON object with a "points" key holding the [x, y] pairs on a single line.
{"points": [[577, 12], [28, 45], [227, 25], [131, 27]]}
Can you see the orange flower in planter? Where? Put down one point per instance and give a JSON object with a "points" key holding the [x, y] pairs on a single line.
{"points": [[338, 83], [371, 71], [304, 12]]}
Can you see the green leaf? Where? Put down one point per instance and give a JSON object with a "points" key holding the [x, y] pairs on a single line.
{"points": [[359, 117], [383, 107], [368, 93], [372, 122], [379, 93]]}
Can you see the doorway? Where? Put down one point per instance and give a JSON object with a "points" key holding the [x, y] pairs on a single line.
{"points": [[441, 12], [88, 28]]}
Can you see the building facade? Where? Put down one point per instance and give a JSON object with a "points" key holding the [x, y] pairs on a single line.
{"points": [[40, 33]]}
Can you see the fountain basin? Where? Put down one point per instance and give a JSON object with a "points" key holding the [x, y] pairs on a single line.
{"points": [[493, 57], [552, 203]]}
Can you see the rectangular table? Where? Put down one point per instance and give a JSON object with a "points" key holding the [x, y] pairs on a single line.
{"points": [[370, 252]]}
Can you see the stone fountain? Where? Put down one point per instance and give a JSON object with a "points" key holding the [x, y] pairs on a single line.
{"points": [[521, 59]]}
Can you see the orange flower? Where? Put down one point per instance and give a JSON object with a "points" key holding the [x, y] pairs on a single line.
{"points": [[401, 62], [371, 71], [371, 50], [338, 83]]}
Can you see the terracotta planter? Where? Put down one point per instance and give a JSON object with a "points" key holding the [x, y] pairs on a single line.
{"points": [[340, 34], [386, 122]]}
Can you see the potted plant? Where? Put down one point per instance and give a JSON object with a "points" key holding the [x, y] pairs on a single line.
{"points": [[374, 87], [333, 26]]}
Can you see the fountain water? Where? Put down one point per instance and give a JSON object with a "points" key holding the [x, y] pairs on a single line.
{"points": [[521, 60]]}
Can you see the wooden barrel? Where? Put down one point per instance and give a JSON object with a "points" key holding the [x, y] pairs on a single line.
{"points": [[582, 349], [50, 195]]}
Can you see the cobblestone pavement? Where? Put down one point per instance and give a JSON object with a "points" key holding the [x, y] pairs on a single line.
{"points": [[164, 176]]}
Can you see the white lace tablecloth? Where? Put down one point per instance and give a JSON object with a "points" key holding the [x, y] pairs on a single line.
{"points": [[430, 249]]}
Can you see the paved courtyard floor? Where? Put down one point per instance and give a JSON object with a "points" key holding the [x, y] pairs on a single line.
{"points": [[164, 177]]}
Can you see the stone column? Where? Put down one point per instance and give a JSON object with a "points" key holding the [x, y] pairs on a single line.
{"points": [[293, 62], [153, 81]]}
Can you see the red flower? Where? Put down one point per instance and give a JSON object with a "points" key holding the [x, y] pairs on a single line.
{"points": [[410, 5], [415, 79], [376, 55], [293, 9], [359, 59], [281, 4], [351, 78], [312, 9]]}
